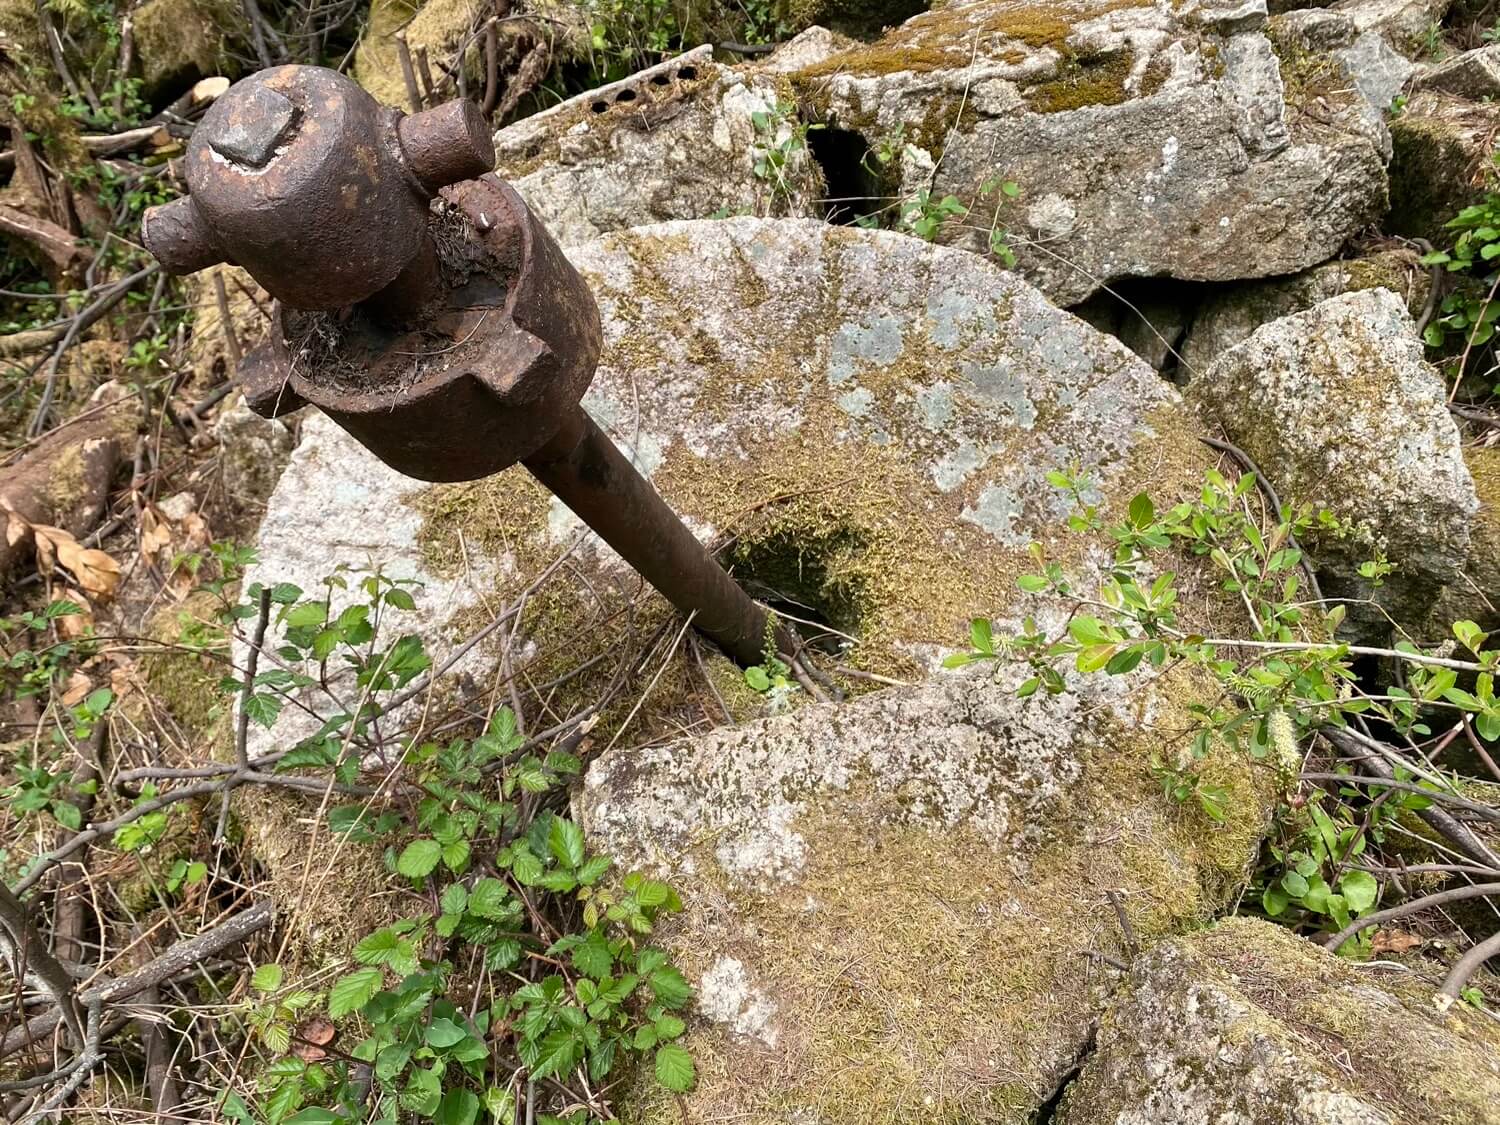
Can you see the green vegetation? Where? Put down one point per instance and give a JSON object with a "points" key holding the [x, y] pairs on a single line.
{"points": [[1285, 682]]}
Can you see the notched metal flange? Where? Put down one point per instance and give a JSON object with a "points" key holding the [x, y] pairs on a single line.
{"points": [[506, 352]]}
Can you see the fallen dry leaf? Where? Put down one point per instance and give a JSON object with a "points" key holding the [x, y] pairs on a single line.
{"points": [[1393, 941], [156, 536], [74, 625], [17, 527], [76, 689], [96, 572], [314, 1034]]}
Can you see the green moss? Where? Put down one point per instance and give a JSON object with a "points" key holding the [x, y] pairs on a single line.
{"points": [[956, 1004], [186, 684], [945, 39], [1439, 163], [180, 41], [1082, 83], [1378, 1034]]}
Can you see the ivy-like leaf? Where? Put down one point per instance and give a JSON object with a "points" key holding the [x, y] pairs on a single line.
{"points": [[419, 858], [674, 1068], [353, 991]]}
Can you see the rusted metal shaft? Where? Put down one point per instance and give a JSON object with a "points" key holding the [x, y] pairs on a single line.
{"points": [[583, 469], [328, 199]]}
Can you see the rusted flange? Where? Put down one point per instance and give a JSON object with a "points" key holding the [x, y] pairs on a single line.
{"points": [[482, 383]]}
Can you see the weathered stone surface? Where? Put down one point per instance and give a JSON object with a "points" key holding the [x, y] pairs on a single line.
{"points": [[1229, 316], [1401, 23], [1473, 74], [1474, 595], [180, 41], [1249, 1023], [872, 416], [889, 903], [1314, 44], [806, 48], [1148, 138], [1341, 411], [252, 452], [1441, 148], [676, 141]]}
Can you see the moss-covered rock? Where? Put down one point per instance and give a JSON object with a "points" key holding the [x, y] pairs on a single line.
{"points": [[1440, 163], [1148, 138], [1341, 411], [1248, 1022], [891, 905], [181, 41], [1230, 315], [870, 420]]}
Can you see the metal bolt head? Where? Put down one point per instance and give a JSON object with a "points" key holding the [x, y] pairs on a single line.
{"points": [[260, 121]]}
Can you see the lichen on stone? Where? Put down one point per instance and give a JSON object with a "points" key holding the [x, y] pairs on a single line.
{"points": [[1249, 1022]]}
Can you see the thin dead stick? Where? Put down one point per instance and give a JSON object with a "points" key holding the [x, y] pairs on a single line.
{"points": [[33, 961], [1117, 901], [1354, 748], [1437, 898], [1478, 747], [242, 724], [408, 76], [424, 71], [1483, 811], [226, 325], [182, 957], [1467, 966]]}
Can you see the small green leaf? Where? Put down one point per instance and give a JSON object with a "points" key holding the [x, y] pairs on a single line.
{"points": [[674, 1068], [267, 978], [981, 636], [1142, 511], [444, 1033], [458, 1107], [670, 986], [419, 858], [592, 956], [351, 992], [565, 841], [1359, 889]]}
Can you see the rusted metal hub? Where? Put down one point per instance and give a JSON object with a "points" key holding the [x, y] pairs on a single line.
{"points": [[423, 308]]}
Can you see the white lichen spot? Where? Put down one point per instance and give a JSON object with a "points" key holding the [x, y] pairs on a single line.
{"points": [[726, 996]]}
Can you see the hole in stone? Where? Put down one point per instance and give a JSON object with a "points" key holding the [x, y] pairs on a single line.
{"points": [[1149, 315], [687, 73], [625, 96], [811, 577], [659, 80], [599, 107], [853, 190]]}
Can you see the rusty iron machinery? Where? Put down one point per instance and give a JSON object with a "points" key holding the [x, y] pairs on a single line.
{"points": [[422, 307]]}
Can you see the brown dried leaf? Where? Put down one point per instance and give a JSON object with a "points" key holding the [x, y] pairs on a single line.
{"points": [[17, 527], [195, 532], [75, 625], [96, 572], [313, 1035], [1393, 941], [77, 688], [156, 536]]}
